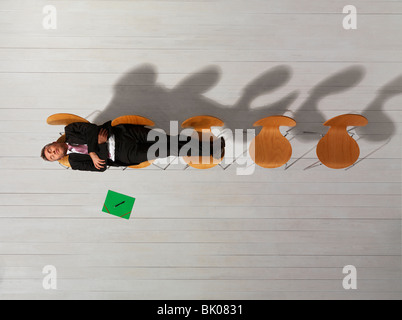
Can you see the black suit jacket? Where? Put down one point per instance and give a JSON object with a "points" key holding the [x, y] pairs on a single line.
{"points": [[87, 133]]}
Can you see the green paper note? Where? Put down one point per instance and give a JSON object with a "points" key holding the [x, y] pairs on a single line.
{"points": [[118, 205]]}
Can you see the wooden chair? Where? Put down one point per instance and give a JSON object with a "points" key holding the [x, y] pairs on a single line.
{"points": [[202, 125], [270, 149], [136, 120], [337, 149], [64, 119]]}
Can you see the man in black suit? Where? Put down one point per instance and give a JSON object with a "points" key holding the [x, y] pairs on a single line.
{"points": [[93, 148]]}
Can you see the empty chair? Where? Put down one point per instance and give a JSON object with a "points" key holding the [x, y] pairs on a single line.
{"points": [[202, 125], [337, 149], [270, 149]]}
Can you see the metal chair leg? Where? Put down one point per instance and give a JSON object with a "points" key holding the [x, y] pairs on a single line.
{"points": [[229, 165], [315, 164], [167, 166], [389, 139], [92, 113], [64, 166], [288, 166]]}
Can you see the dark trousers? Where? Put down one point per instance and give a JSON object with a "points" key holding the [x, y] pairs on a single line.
{"points": [[132, 145]]}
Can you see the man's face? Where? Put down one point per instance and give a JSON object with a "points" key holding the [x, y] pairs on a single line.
{"points": [[55, 151]]}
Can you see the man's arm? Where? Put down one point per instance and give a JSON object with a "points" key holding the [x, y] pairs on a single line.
{"points": [[98, 162], [83, 162], [99, 159]]}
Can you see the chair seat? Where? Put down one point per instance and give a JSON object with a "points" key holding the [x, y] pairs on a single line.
{"points": [[270, 149], [202, 125], [337, 149]]}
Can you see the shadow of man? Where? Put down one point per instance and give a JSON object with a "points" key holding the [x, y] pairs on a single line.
{"points": [[308, 117], [380, 126], [138, 92]]}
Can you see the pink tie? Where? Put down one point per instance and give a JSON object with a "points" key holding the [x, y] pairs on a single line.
{"points": [[78, 148]]}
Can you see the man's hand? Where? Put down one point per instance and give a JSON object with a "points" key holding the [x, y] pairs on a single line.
{"points": [[102, 136], [98, 162]]}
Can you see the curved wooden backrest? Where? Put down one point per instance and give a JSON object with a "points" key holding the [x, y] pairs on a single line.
{"points": [[337, 149], [64, 119], [347, 120], [136, 120], [203, 124], [270, 149], [275, 121], [200, 123]]}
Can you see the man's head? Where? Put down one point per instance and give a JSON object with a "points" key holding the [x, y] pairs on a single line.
{"points": [[54, 151]]}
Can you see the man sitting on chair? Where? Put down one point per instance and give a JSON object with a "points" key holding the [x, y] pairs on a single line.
{"points": [[92, 148]]}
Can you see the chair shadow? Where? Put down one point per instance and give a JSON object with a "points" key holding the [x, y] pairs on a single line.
{"points": [[313, 129], [380, 127], [378, 120], [138, 92]]}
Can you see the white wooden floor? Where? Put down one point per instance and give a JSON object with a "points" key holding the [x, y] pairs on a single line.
{"points": [[275, 234]]}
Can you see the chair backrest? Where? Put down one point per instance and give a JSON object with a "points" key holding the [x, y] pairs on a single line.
{"points": [[347, 120], [202, 125], [64, 119], [337, 149], [136, 120], [270, 149]]}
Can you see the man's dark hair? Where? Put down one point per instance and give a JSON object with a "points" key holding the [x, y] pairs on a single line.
{"points": [[42, 153]]}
